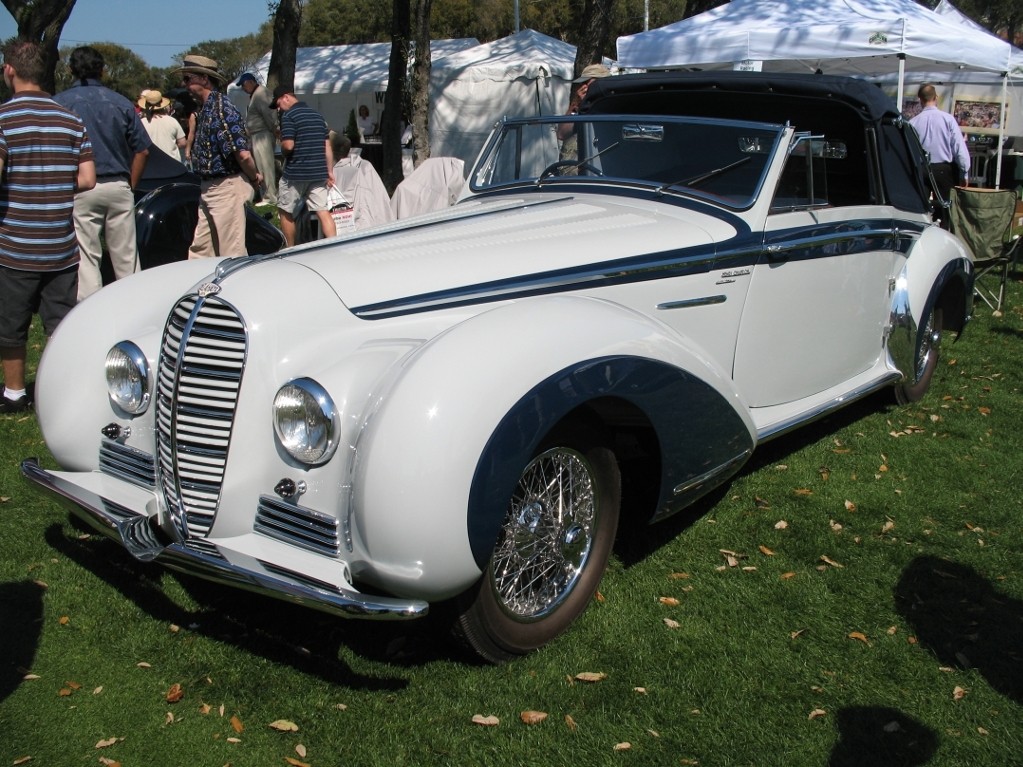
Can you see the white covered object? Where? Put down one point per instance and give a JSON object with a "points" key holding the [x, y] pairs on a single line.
{"points": [[361, 186], [434, 185]]}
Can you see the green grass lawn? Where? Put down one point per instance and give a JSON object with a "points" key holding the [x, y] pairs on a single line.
{"points": [[854, 597]]}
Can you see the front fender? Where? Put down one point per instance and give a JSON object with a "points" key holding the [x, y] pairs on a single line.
{"points": [[437, 461]]}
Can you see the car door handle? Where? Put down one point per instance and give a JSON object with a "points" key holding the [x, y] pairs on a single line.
{"points": [[776, 253]]}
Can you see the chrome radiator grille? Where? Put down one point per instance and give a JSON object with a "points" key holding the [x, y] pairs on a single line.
{"points": [[199, 373]]}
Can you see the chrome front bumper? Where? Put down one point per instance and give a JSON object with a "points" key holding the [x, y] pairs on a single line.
{"points": [[141, 536]]}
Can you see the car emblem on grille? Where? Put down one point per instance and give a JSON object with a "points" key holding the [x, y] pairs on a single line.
{"points": [[208, 289]]}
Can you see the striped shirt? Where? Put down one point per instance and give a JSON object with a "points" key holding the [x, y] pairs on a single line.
{"points": [[304, 125], [41, 145]]}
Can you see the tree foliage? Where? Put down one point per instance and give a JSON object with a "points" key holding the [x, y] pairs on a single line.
{"points": [[124, 71]]}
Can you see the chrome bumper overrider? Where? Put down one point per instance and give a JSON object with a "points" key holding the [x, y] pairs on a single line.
{"points": [[206, 559]]}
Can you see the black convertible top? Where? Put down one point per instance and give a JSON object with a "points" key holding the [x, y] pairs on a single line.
{"points": [[843, 108], [751, 93]]}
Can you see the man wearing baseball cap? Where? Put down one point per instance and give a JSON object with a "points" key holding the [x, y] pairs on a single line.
{"points": [[308, 165]]}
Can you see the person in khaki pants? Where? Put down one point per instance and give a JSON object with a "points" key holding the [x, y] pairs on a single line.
{"points": [[120, 146], [221, 158]]}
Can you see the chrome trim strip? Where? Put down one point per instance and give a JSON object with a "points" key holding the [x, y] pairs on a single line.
{"points": [[691, 302], [298, 526], [826, 408], [726, 468], [144, 540]]}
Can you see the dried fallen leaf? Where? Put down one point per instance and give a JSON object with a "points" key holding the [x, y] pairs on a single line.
{"points": [[205, 709], [984, 410], [654, 733], [532, 717], [109, 762], [168, 718], [670, 623], [300, 750], [761, 503], [233, 740], [859, 636], [570, 722], [175, 693], [237, 726], [98, 690], [803, 491], [281, 725], [30, 677], [982, 731], [669, 601], [958, 693], [787, 576], [850, 506], [781, 524], [22, 760], [640, 690], [836, 526], [108, 742], [143, 664], [624, 746], [295, 762], [888, 526], [829, 561], [591, 676], [486, 721], [817, 713], [64, 620], [795, 634]]}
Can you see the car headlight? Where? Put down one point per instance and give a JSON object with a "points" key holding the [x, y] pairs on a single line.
{"points": [[128, 380], [306, 421]]}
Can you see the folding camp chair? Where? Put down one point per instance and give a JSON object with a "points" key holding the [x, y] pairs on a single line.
{"points": [[982, 219]]}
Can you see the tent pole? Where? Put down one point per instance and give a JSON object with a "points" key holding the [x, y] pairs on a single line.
{"points": [[1001, 130], [902, 75]]}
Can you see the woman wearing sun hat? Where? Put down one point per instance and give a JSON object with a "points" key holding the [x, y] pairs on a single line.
{"points": [[164, 130], [221, 158]]}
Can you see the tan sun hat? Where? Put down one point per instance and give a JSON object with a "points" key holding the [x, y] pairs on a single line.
{"points": [[153, 100], [195, 64], [592, 72]]}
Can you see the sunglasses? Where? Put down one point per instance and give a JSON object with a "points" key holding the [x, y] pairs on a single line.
{"points": [[190, 77]]}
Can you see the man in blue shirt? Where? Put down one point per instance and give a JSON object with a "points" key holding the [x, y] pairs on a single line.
{"points": [[221, 157], [942, 138], [120, 147], [309, 164]]}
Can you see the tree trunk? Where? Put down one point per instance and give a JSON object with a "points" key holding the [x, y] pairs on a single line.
{"points": [[594, 32], [42, 21], [392, 123], [287, 20], [420, 85]]}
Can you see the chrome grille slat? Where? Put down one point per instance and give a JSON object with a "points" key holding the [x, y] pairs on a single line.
{"points": [[298, 526], [128, 463], [202, 359]]}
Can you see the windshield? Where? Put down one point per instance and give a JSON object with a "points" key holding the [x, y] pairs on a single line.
{"points": [[721, 160]]}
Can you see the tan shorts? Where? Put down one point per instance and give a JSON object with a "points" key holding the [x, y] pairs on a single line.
{"points": [[291, 193]]}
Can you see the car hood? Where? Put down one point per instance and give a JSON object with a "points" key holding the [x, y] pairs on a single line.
{"points": [[482, 245]]}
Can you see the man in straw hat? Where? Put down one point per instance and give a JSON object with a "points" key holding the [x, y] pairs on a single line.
{"points": [[221, 157], [120, 147], [165, 131]]}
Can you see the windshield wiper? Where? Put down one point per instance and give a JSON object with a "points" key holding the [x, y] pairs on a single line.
{"points": [[554, 167], [692, 181]]}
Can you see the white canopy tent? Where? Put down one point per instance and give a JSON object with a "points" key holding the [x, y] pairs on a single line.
{"points": [[524, 74], [471, 85], [864, 38], [336, 79]]}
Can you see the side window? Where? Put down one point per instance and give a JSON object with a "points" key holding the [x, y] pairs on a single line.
{"points": [[804, 180]]}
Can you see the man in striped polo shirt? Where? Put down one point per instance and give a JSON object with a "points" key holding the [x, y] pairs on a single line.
{"points": [[45, 157], [309, 163]]}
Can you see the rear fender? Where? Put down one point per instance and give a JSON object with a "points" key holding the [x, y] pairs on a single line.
{"points": [[437, 462], [937, 274]]}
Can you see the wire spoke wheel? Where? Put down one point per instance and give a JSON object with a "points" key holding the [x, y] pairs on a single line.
{"points": [[547, 536], [551, 550], [926, 360]]}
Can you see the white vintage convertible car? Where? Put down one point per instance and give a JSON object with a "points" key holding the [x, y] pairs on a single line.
{"points": [[450, 407]]}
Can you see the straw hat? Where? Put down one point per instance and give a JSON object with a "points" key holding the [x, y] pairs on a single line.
{"points": [[153, 100], [592, 72], [193, 63]]}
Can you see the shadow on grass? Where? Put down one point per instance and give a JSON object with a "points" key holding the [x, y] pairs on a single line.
{"points": [[959, 616], [637, 540], [881, 737], [307, 640], [21, 619]]}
